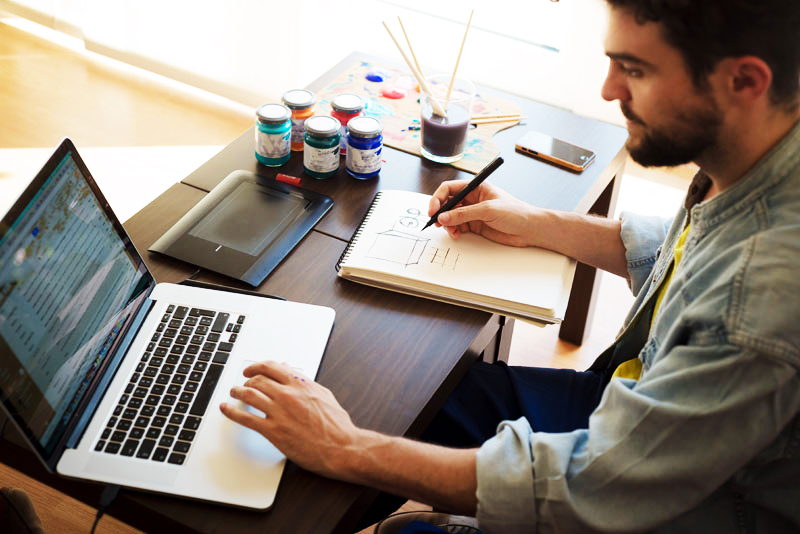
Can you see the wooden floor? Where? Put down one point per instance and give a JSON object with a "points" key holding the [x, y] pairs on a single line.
{"points": [[48, 92]]}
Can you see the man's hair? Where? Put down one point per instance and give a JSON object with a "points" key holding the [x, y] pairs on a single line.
{"points": [[707, 31]]}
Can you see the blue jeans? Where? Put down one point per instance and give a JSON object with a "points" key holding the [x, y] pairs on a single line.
{"points": [[552, 400]]}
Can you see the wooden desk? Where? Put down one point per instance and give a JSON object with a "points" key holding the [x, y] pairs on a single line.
{"points": [[392, 359], [541, 184]]}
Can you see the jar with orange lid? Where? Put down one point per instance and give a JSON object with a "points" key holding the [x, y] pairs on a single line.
{"points": [[301, 102]]}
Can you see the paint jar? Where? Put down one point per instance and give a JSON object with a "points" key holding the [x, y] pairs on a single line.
{"points": [[301, 102], [345, 107], [321, 151], [273, 133], [364, 145]]}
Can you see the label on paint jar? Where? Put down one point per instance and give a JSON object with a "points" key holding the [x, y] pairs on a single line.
{"points": [[298, 130], [321, 159], [363, 161], [271, 145]]}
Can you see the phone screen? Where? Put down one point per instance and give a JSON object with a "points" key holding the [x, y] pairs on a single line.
{"points": [[543, 145]]}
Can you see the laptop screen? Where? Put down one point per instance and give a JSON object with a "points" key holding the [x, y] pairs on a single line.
{"points": [[69, 281]]}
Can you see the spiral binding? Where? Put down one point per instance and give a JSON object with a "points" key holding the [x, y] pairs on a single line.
{"points": [[357, 233]]}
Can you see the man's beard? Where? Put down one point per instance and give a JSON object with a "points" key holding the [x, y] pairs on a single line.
{"points": [[697, 130]]}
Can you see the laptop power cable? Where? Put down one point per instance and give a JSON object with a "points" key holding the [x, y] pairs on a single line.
{"points": [[110, 493]]}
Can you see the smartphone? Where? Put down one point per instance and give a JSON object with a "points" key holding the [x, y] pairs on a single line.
{"points": [[555, 151]]}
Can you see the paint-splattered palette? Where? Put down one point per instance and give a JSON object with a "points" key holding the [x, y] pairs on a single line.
{"points": [[399, 114]]}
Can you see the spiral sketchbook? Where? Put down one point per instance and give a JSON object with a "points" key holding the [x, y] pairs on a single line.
{"points": [[390, 250]]}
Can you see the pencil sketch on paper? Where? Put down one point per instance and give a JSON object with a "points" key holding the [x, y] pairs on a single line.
{"points": [[446, 257], [397, 245]]}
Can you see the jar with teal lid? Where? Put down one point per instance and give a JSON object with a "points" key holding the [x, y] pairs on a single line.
{"points": [[364, 146], [321, 150], [273, 134]]}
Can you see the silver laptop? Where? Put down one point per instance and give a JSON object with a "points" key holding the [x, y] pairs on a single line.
{"points": [[114, 378]]}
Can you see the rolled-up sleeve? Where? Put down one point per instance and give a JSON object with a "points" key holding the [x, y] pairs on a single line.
{"points": [[653, 450], [642, 235]]}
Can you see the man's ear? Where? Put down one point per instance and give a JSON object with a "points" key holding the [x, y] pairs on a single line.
{"points": [[749, 77]]}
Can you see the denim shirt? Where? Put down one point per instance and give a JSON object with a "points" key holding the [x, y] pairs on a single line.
{"points": [[709, 439]]}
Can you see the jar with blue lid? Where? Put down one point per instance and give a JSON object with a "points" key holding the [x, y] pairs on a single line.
{"points": [[321, 150], [364, 146], [273, 134]]}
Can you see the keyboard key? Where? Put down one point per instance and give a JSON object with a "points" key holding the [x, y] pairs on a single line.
{"points": [[124, 424], [206, 321], [129, 448], [146, 356], [240, 320], [186, 435], [179, 379], [200, 366], [118, 436], [161, 454], [173, 389], [129, 414], [168, 369], [161, 327], [219, 322], [176, 458], [182, 407], [197, 375], [190, 321], [169, 400], [153, 400], [160, 351], [163, 411], [213, 337], [146, 448], [135, 403], [136, 433], [184, 369], [221, 357], [166, 441], [182, 446], [197, 339], [227, 347], [140, 392], [202, 330], [143, 421], [173, 358], [210, 346], [229, 328], [148, 410], [192, 349], [188, 359], [181, 312], [206, 390], [159, 421], [156, 362], [106, 433], [165, 342], [205, 356], [158, 389], [183, 340], [186, 330], [191, 386], [118, 409], [153, 433], [129, 388], [170, 308], [100, 445], [171, 430], [192, 423], [112, 448], [232, 338], [146, 382], [176, 419], [186, 397]]}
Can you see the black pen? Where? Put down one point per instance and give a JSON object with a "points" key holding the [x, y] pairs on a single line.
{"points": [[458, 197]]}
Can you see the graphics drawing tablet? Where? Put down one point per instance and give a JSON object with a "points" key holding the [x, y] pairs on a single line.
{"points": [[244, 227]]}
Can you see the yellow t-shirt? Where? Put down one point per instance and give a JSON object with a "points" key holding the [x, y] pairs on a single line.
{"points": [[633, 368]]}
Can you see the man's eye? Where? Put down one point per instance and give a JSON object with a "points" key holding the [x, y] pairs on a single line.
{"points": [[631, 72]]}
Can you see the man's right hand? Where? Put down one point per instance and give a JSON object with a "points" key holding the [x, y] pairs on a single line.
{"points": [[488, 211]]}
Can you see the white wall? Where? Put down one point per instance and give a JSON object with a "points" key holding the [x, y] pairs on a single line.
{"points": [[252, 51]]}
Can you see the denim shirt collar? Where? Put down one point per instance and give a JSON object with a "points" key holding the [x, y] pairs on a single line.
{"points": [[770, 170]]}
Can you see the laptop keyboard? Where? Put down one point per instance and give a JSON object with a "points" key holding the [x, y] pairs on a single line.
{"points": [[163, 405]]}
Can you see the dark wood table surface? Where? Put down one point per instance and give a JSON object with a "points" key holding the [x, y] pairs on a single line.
{"points": [[392, 359]]}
